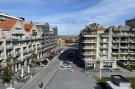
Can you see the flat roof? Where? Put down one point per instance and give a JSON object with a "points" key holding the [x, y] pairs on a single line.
{"points": [[120, 78]]}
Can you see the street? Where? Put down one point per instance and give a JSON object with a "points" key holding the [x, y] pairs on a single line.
{"points": [[55, 77], [65, 79]]}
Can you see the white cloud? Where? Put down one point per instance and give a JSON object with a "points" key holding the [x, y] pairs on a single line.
{"points": [[109, 9]]}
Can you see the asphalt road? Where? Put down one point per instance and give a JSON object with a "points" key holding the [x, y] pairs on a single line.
{"points": [[65, 79]]}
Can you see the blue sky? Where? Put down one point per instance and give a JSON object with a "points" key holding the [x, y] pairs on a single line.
{"points": [[71, 15]]}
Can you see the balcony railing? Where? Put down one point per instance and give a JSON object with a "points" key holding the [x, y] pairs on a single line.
{"points": [[132, 40], [124, 34], [10, 46], [132, 35], [103, 53], [1, 57], [89, 41], [18, 53], [124, 53], [89, 47], [124, 41], [105, 35], [115, 53], [116, 35], [132, 52], [104, 41], [132, 47], [26, 51], [103, 47], [1, 48], [115, 47], [89, 53], [123, 46], [87, 35]]}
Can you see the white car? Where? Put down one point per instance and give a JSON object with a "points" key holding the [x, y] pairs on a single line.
{"points": [[61, 51], [65, 66]]}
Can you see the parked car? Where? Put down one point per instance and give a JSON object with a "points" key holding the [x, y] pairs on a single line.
{"points": [[61, 51], [68, 62], [65, 65]]}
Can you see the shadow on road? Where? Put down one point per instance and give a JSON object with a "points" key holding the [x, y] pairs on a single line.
{"points": [[72, 55]]}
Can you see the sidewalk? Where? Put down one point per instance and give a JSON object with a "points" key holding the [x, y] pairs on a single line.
{"points": [[38, 70], [44, 76]]}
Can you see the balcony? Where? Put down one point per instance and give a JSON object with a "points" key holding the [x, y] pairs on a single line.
{"points": [[103, 47], [89, 41], [123, 58], [115, 47], [132, 47], [132, 52], [132, 35], [116, 41], [25, 57], [10, 47], [123, 53], [124, 34], [20, 32], [103, 53], [124, 41], [105, 35], [1, 48], [89, 59], [132, 41], [10, 55], [124, 47], [18, 54], [2, 57], [104, 41], [115, 53], [38, 47], [89, 47], [88, 53], [89, 35], [116, 35], [131, 58], [25, 51]]}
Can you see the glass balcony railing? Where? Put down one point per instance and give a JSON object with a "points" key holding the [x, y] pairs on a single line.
{"points": [[116, 35], [123, 46], [89, 47], [10, 46], [124, 34], [89, 41], [1, 48]]}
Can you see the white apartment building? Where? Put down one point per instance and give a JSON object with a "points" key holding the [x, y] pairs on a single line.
{"points": [[19, 40], [105, 46]]}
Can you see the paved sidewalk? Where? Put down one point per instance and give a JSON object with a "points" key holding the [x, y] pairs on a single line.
{"points": [[44, 76]]}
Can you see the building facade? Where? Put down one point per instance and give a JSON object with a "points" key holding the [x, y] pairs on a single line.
{"points": [[103, 47], [20, 40]]}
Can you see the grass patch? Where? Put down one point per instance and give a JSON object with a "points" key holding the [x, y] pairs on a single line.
{"points": [[102, 82], [129, 67]]}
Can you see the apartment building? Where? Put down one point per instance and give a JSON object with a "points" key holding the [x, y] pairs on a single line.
{"points": [[89, 45], [106, 46], [4, 17], [19, 40]]}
